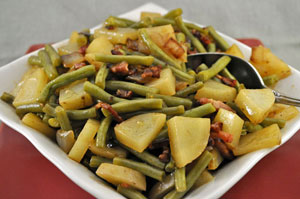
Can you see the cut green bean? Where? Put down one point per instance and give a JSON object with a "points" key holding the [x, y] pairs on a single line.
{"points": [[211, 47], [180, 179], [180, 37], [160, 21], [192, 176], [217, 67], [189, 90], [118, 22], [172, 14], [170, 167], [49, 68], [144, 168], [101, 76], [63, 118], [157, 51], [27, 108], [220, 41], [143, 23], [172, 101], [197, 44], [130, 59], [250, 127], [136, 88], [200, 111], [102, 132], [95, 161], [271, 80], [65, 79], [7, 97], [269, 121], [46, 118], [130, 193], [162, 188], [34, 60], [101, 94], [53, 122], [54, 56]]}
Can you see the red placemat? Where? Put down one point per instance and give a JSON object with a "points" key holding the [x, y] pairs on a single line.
{"points": [[25, 173]]}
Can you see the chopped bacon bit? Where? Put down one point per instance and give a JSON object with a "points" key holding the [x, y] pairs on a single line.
{"points": [[143, 74], [217, 132], [116, 52], [82, 49], [196, 33], [124, 93], [165, 155], [191, 52], [152, 71], [226, 137], [227, 81], [205, 39], [132, 44], [217, 126], [121, 68], [174, 48], [110, 27], [79, 65], [110, 109], [125, 185], [223, 149], [217, 104]]}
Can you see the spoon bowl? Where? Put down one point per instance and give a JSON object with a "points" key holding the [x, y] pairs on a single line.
{"points": [[242, 70]]}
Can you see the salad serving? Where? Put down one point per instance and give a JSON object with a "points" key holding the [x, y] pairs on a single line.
{"points": [[123, 102]]}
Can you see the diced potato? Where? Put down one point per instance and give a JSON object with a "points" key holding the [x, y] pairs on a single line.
{"points": [[166, 83], [265, 138], [217, 91], [235, 51], [232, 124], [107, 152], [255, 103], [78, 39], [36, 123], [117, 35], [188, 138], [116, 175], [70, 60], [149, 14], [65, 140], [139, 131], [73, 96], [100, 45], [204, 178], [68, 49], [287, 113], [84, 139], [30, 87], [216, 160], [268, 64]]}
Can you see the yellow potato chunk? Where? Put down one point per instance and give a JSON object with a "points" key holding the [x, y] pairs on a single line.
{"points": [[264, 138], [84, 139], [139, 131], [106, 152], [65, 140], [255, 103], [217, 91], [268, 64], [117, 35], [166, 83], [188, 138], [100, 45], [116, 175], [30, 88], [73, 96], [216, 160], [235, 51], [232, 124], [284, 112]]}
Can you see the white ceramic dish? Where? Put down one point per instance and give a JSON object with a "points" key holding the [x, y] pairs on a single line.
{"points": [[225, 178]]}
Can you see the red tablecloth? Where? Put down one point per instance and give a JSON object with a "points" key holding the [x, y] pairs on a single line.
{"points": [[25, 173]]}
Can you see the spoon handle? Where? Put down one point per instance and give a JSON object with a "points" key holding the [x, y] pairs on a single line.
{"points": [[286, 100]]}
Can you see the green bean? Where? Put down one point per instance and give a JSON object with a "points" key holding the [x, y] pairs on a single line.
{"points": [[192, 72], [136, 88], [102, 132], [250, 127], [201, 67], [7, 97], [192, 176], [143, 23], [147, 157], [218, 66], [34, 60], [196, 27], [200, 111], [52, 99], [162, 188], [54, 56], [144, 168], [95, 161], [135, 105], [160, 21], [200, 48], [27, 108], [46, 118], [101, 76], [211, 47], [100, 94], [47, 64], [170, 167], [118, 22], [269, 121], [172, 14], [130, 193], [65, 79], [189, 90], [172, 101], [180, 181], [270, 80], [157, 51], [53, 122], [130, 59], [180, 37], [220, 41], [63, 118]]}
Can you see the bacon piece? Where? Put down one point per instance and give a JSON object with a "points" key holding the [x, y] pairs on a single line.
{"points": [[174, 48], [217, 132], [217, 126], [227, 81], [124, 93], [165, 155], [110, 109], [217, 104], [82, 49], [132, 44], [223, 149], [205, 39], [152, 71], [120, 69]]}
